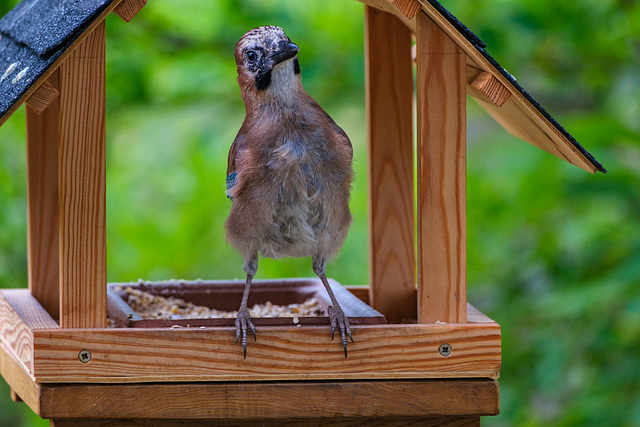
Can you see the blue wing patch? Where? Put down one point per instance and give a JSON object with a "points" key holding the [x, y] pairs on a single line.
{"points": [[231, 181]]}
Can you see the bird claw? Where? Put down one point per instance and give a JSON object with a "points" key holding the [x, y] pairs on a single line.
{"points": [[339, 320], [243, 322]]}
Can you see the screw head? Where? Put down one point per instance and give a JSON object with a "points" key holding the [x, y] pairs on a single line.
{"points": [[84, 356], [445, 350]]}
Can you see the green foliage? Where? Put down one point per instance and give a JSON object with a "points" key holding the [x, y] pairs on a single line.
{"points": [[554, 252]]}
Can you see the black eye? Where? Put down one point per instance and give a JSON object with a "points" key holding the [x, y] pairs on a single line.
{"points": [[252, 56]]}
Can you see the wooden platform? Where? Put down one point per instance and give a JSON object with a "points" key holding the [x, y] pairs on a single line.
{"points": [[197, 376], [456, 402], [50, 354]]}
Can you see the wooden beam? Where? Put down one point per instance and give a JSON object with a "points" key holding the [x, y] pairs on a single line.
{"points": [[20, 315], [408, 7], [82, 185], [441, 72], [491, 88], [121, 355], [42, 199], [128, 9], [389, 105], [18, 378], [470, 421], [255, 400], [42, 97], [387, 6]]}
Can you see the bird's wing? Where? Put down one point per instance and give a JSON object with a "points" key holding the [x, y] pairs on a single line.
{"points": [[340, 136], [231, 161]]}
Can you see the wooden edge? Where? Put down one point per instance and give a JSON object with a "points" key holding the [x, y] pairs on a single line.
{"points": [[20, 315], [21, 383], [522, 103], [449, 421], [42, 97], [14, 396], [255, 400], [100, 19], [408, 7], [119, 311], [127, 355], [123, 355], [389, 7], [128, 9], [28, 309], [362, 292], [491, 88]]}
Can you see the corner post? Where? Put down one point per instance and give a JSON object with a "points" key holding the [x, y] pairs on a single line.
{"points": [[42, 201], [442, 239], [389, 106], [82, 185]]}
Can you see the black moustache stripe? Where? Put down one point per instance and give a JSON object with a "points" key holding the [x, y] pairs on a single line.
{"points": [[263, 79]]}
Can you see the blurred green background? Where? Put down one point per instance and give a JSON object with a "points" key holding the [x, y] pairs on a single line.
{"points": [[554, 252]]}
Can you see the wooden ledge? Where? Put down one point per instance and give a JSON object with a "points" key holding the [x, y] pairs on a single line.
{"points": [[50, 354], [255, 400]]}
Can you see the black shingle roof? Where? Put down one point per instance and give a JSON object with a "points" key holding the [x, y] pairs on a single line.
{"points": [[33, 35], [480, 47]]}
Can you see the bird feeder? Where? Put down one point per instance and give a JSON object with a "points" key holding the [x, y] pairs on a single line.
{"points": [[60, 358]]}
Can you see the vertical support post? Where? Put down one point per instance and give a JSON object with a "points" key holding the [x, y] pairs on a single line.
{"points": [[42, 202], [389, 105], [82, 193], [442, 259]]}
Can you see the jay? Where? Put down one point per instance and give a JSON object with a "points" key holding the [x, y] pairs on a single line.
{"points": [[289, 171]]}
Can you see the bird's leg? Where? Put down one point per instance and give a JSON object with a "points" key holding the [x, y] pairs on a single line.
{"points": [[243, 320], [336, 315]]}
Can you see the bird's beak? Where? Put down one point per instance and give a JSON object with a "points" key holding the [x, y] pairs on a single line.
{"points": [[286, 50]]}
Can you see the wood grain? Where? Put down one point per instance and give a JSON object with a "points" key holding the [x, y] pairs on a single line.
{"points": [[389, 7], [20, 315], [208, 354], [441, 72], [389, 105], [408, 7], [42, 97], [280, 353], [42, 201], [82, 185], [287, 422], [491, 88], [128, 9], [17, 377], [255, 400]]}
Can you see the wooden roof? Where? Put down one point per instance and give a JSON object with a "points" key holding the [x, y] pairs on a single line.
{"points": [[495, 89], [36, 36]]}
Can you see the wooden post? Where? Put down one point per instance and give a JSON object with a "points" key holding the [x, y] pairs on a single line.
{"points": [[42, 202], [389, 104], [83, 302], [441, 175]]}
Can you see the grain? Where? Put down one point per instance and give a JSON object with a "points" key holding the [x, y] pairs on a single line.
{"points": [[150, 306]]}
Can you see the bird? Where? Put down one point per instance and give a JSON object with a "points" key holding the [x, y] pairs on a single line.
{"points": [[289, 172]]}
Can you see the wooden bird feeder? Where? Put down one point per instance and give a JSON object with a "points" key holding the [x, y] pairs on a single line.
{"points": [[60, 358]]}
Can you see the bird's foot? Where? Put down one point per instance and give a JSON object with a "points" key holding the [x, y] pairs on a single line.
{"points": [[243, 322], [339, 320]]}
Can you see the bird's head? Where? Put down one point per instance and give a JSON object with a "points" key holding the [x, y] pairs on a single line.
{"points": [[267, 63]]}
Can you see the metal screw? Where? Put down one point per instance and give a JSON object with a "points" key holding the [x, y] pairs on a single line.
{"points": [[445, 350], [84, 356]]}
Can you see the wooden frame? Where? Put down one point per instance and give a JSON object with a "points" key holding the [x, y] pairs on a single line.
{"points": [[56, 347], [50, 354]]}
